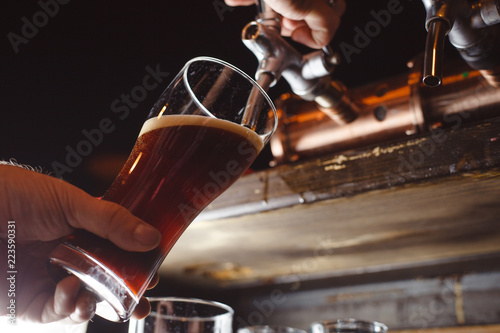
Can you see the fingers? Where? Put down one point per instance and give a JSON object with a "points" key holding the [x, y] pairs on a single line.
{"points": [[84, 308], [154, 281], [56, 207], [234, 3], [310, 22], [322, 21], [65, 297], [142, 309], [69, 303], [111, 221]]}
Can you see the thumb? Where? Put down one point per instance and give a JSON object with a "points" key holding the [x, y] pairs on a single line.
{"points": [[109, 220], [56, 207]]}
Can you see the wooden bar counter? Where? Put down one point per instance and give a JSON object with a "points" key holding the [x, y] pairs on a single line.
{"points": [[418, 214]]}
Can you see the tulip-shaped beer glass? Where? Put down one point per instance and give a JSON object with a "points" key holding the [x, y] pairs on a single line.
{"points": [[202, 134]]}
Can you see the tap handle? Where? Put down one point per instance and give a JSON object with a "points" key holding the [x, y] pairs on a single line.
{"points": [[485, 13], [261, 6]]}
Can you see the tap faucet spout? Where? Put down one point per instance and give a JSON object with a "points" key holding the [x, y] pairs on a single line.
{"points": [[472, 29], [440, 19], [434, 50]]}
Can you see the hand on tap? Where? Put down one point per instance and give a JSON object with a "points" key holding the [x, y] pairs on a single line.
{"points": [[310, 22]]}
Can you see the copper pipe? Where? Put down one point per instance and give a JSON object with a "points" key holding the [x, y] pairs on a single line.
{"points": [[389, 110]]}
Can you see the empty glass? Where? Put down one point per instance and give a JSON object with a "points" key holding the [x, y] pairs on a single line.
{"points": [[270, 329], [184, 315], [348, 325]]}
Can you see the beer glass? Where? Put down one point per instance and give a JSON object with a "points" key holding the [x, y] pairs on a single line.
{"points": [[348, 325], [202, 134], [184, 315], [269, 329]]}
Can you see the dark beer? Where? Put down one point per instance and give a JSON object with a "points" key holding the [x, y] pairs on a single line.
{"points": [[179, 164]]}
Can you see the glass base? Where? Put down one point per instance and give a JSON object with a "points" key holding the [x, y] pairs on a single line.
{"points": [[116, 301]]}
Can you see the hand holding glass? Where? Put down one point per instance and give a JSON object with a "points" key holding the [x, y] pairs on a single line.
{"points": [[202, 134]]}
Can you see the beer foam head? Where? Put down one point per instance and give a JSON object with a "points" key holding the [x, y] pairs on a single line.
{"points": [[192, 120]]}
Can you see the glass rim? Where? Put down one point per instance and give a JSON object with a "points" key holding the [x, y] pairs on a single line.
{"points": [[278, 328], [362, 324], [229, 310], [237, 70]]}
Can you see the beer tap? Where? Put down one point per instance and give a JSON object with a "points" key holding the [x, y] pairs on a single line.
{"points": [[471, 28], [392, 108], [308, 75]]}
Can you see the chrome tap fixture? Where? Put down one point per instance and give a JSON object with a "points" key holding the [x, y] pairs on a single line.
{"points": [[308, 75], [322, 116], [471, 28]]}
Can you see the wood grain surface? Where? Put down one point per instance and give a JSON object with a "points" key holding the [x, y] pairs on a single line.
{"points": [[403, 206]]}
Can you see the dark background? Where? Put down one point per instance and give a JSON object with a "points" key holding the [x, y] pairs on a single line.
{"points": [[65, 78]]}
